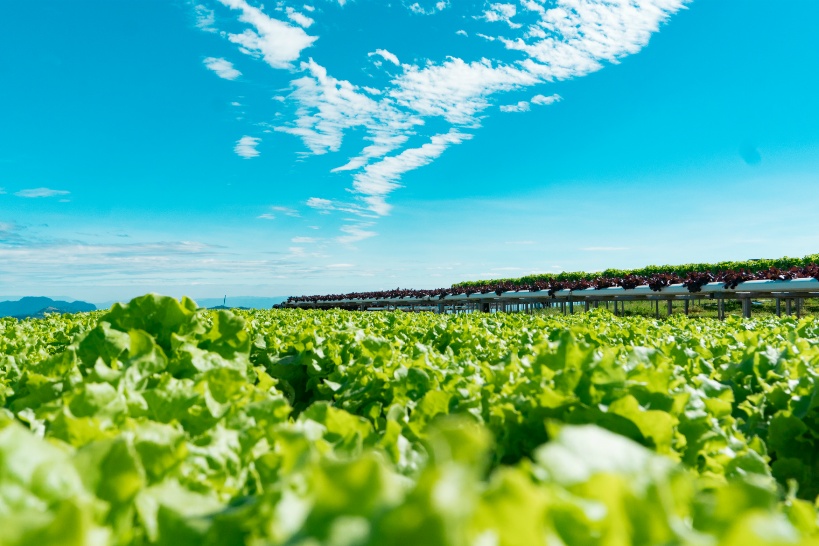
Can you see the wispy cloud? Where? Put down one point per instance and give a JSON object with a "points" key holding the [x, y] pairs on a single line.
{"points": [[303, 240], [502, 12], [299, 18], [386, 55], [441, 101], [379, 179], [428, 8], [9, 233], [143, 266], [543, 100], [521, 106], [205, 18], [287, 211], [223, 68], [325, 206], [246, 147], [266, 216], [40, 192], [355, 233], [275, 41]]}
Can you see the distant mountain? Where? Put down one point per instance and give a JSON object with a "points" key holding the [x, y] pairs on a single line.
{"points": [[105, 305], [247, 302], [38, 306]]}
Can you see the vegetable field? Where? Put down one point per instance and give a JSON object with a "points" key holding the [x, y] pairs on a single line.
{"points": [[159, 423]]}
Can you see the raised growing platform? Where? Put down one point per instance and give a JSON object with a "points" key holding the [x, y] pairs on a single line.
{"points": [[789, 292]]}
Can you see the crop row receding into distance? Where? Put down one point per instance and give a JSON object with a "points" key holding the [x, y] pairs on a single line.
{"points": [[691, 276]]}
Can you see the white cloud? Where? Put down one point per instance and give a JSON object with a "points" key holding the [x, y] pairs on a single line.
{"points": [[287, 211], [144, 266], [325, 206], [277, 42], [379, 179], [303, 240], [246, 147], [266, 216], [205, 18], [438, 100], [355, 233], [432, 9], [456, 90], [542, 100], [223, 68], [327, 108], [40, 192], [299, 18], [521, 106], [501, 12], [386, 55], [319, 203], [531, 5], [382, 144], [576, 36]]}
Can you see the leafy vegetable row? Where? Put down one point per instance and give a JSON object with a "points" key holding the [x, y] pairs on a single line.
{"points": [[680, 271], [160, 423]]}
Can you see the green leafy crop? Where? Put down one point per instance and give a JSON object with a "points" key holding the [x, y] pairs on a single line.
{"points": [[161, 423], [681, 270]]}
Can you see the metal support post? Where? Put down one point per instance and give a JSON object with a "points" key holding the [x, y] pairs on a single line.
{"points": [[746, 307]]}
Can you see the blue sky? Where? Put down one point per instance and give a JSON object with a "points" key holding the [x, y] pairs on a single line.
{"points": [[226, 146]]}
